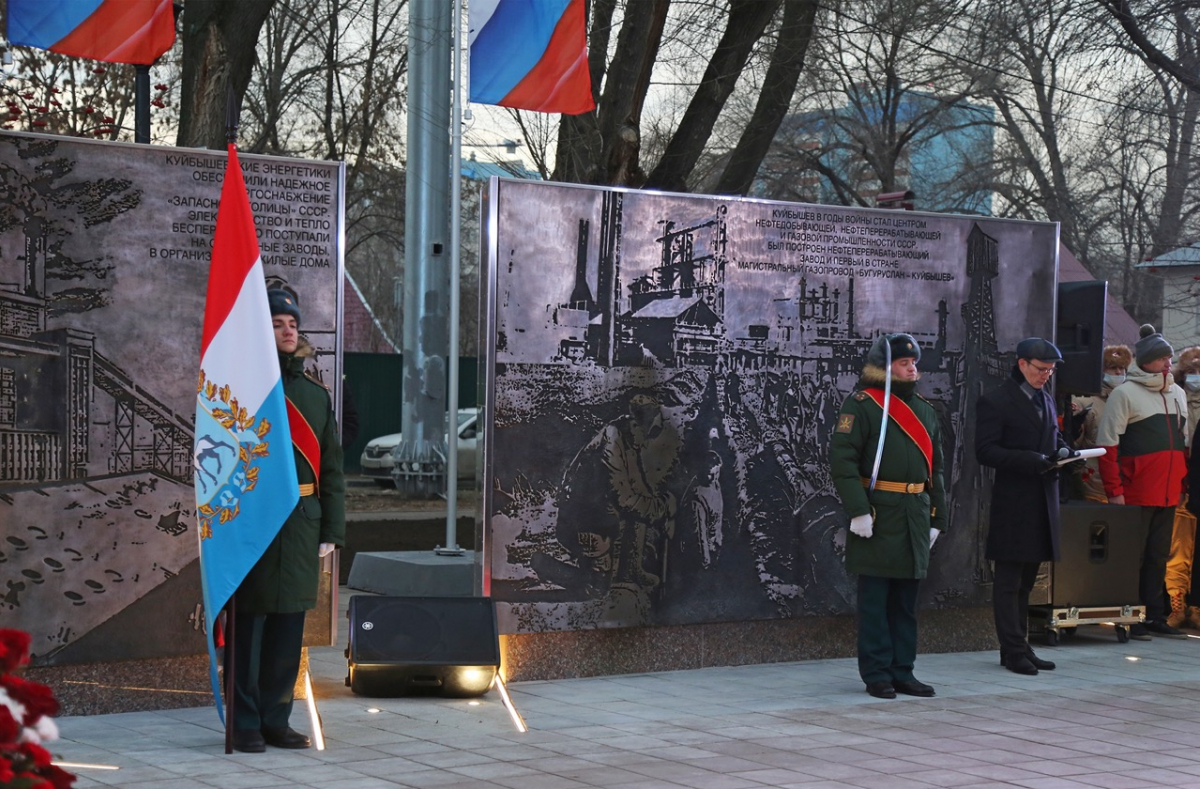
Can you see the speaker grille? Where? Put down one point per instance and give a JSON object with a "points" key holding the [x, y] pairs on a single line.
{"points": [[423, 630]]}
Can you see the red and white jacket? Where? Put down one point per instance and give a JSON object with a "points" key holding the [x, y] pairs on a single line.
{"points": [[1144, 429]]}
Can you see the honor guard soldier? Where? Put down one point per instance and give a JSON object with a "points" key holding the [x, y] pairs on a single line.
{"points": [[282, 585], [886, 462]]}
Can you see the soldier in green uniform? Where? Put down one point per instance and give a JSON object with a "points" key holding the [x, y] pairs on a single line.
{"points": [[282, 585], [896, 501]]}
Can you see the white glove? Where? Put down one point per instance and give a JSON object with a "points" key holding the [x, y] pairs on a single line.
{"points": [[933, 535], [862, 525], [324, 549]]}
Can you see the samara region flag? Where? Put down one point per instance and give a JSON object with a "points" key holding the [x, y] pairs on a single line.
{"points": [[245, 471]]}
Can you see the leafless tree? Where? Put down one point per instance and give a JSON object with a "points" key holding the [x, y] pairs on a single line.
{"points": [[660, 42], [219, 47], [883, 107]]}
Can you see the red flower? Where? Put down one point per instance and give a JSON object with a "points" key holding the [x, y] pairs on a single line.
{"points": [[37, 699], [14, 649], [40, 756], [10, 727], [58, 777]]}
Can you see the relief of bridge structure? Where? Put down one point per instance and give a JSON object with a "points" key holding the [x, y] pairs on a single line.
{"points": [[67, 411]]}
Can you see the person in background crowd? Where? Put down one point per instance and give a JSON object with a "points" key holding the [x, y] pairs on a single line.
{"points": [[895, 517], [1088, 410], [1144, 431], [1016, 433], [282, 585], [1184, 610]]}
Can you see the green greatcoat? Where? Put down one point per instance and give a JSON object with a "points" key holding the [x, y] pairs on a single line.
{"points": [[899, 546], [285, 579]]}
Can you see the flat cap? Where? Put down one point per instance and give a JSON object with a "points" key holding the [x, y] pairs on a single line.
{"points": [[1037, 348]]}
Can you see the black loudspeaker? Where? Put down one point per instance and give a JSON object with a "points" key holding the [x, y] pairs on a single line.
{"points": [[406, 645], [1101, 554], [1079, 334]]}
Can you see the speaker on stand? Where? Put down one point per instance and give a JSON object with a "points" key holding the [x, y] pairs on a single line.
{"points": [[406, 645], [1079, 335]]}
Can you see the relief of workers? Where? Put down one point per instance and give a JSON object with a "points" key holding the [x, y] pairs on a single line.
{"points": [[616, 512]]}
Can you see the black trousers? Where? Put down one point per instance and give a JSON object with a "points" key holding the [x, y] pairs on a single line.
{"points": [[1160, 522], [1011, 584], [887, 628], [266, 663]]}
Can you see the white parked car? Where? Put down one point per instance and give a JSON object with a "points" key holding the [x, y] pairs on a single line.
{"points": [[377, 460]]}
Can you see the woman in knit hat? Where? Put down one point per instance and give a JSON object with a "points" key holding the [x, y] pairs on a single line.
{"points": [[1116, 361]]}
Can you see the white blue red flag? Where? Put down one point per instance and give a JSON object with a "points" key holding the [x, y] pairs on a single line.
{"points": [[530, 55], [115, 31], [244, 467]]}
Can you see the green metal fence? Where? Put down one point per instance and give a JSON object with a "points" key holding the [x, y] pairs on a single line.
{"points": [[373, 383]]}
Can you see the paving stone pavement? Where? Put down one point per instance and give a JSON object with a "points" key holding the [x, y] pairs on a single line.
{"points": [[1115, 716]]}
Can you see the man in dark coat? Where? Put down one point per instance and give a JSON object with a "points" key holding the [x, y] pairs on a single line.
{"points": [[1016, 433], [897, 508], [282, 585]]}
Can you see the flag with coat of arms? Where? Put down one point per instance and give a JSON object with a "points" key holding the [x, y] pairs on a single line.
{"points": [[244, 467]]}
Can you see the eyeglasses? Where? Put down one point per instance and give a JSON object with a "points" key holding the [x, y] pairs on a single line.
{"points": [[1039, 369]]}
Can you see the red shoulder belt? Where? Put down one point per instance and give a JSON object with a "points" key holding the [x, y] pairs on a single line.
{"points": [[908, 422], [305, 440]]}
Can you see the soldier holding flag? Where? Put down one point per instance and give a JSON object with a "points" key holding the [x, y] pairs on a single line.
{"points": [[269, 486], [886, 462], [282, 585]]}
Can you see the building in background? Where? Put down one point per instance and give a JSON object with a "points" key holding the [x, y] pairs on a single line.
{"points": [[1179, 270], [941, 151]]}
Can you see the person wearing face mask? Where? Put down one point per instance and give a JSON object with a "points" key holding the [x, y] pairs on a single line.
{"points": [[1143, 431], [1183, 535], [1116, 360], [885, 459]]}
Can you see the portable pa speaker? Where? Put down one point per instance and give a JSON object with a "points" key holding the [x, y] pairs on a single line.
{"points": [[1101, 554], [1079, 335], [404, 645]]}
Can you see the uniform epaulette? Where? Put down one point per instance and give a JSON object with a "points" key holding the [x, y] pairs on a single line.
{"points": [[860, 395], [312, 376]]}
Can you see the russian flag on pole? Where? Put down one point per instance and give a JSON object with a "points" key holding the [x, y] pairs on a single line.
{"points": [[115, 31], [245, 470], [530, 55]]}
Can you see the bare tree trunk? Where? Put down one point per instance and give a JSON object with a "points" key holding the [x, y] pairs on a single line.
{"points": [[779, 85], [219, 39], [602, 146], [747, 21]]}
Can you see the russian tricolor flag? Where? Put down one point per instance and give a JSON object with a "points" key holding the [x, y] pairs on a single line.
{"points": [[530, 55], [115, 31], [244, 467]]}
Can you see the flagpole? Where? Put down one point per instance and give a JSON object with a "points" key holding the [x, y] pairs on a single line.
{"points": [[232, 113], [451, 548]]}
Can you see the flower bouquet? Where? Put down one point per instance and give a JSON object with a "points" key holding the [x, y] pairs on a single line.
{"points": [[26, 710]]}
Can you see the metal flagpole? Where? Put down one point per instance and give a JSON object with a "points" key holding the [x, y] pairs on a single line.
{"points": [[451, 547], [233, 111]]}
